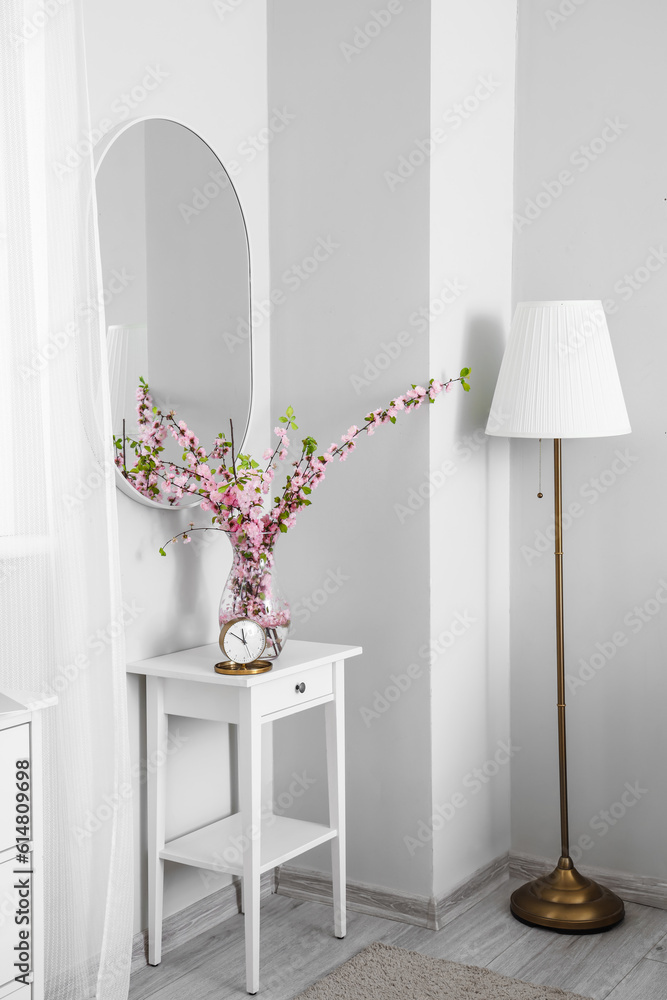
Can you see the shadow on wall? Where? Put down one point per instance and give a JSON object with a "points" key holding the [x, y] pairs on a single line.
{"points": [[483, 348]]}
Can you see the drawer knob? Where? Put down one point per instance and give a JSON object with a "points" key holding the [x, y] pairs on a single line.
{"points": [[300, 688]]}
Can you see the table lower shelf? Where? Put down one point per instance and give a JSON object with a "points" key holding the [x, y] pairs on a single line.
{"points": [[219, 846]]}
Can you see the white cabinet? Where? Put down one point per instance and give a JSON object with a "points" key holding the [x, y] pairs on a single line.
{"points": [[21, 916]]}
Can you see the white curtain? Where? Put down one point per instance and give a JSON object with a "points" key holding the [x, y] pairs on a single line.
{"points": [[61, 617]]}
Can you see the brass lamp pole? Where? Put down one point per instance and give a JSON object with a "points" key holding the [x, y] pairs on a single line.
{"points": [[565, 899], [558, 379]]}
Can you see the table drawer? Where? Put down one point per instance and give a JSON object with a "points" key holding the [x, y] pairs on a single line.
{"points": [[294, 691]]}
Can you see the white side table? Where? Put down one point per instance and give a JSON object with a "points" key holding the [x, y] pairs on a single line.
{"points": [[245, 844]]}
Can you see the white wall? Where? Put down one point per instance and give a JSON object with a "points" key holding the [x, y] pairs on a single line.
{"points": [[207, 69], [602, 62], [472, 123], [354, 114], [367, 95]]}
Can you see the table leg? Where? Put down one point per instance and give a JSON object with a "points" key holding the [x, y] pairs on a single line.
{"points": [[156, 740], [250, 792], [335, 729]]}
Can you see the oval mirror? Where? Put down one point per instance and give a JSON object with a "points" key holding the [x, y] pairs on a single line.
{"points": [[176, 279]]}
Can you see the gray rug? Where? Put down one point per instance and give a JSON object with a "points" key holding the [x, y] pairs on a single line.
{"points": [[381, 972]]}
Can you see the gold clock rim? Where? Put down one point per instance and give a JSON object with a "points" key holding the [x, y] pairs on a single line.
{"points": [[234, 621], [233, 669]]}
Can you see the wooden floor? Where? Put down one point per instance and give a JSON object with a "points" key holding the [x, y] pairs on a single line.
{"points": [[628, 962]]}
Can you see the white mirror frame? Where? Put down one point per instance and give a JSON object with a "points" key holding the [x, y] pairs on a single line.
{"points": [[121, 482]]}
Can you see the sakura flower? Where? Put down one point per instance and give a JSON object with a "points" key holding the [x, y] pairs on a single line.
{"points": [[234, 491]]}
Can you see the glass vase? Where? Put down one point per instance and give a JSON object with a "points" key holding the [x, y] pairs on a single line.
{"points": [[252, 591]]}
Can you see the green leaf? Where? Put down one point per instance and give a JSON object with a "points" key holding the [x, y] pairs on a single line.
{"points": [[393, 419], [162, 552], [466, 387], [294, 426], [306, 489], [283, 528], [289, 411], [284, 420], [464, 372]]}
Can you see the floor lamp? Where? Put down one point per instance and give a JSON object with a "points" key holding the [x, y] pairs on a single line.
{"points": [[558, 379]]}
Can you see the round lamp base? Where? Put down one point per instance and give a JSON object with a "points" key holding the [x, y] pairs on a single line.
{"points": [[565, 900]]}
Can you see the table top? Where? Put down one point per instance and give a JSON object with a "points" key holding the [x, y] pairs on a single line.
{"points": [[197, 664]]}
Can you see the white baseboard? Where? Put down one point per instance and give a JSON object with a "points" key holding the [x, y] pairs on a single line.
{"points": [[423, 911], [478, 885], [632, 888], [303, 883]]}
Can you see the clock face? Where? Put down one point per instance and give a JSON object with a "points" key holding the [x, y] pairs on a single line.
{"points": [[242, 640]]}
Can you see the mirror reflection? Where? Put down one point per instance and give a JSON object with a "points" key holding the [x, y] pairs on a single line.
{"points": [[176, 271]]}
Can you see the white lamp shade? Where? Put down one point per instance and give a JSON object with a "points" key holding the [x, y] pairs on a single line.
{"points": [[558, 377]]}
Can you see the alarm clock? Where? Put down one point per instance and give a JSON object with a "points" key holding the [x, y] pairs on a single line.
{"points": [[242, 640]]}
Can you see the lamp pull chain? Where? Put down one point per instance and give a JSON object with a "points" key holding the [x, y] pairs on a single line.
{"points": [[539, 475]]}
